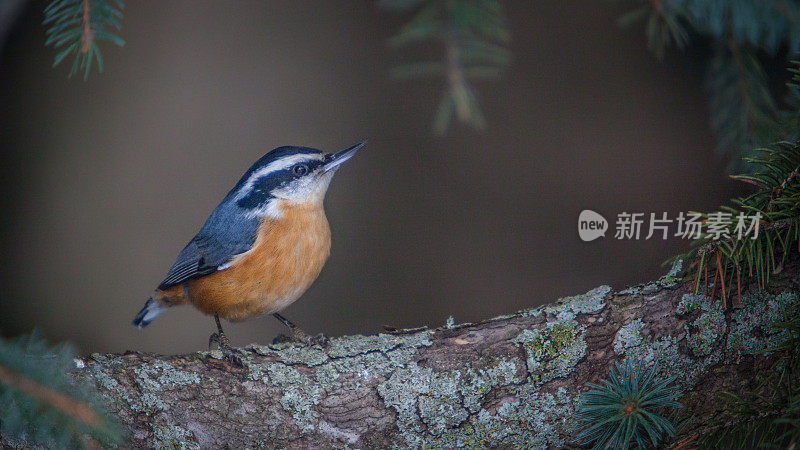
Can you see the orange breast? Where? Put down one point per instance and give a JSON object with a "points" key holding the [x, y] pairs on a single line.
{"points": [[287, 256]]}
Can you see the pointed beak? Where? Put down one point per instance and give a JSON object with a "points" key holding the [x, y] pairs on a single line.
{"points": [[334, 160]]}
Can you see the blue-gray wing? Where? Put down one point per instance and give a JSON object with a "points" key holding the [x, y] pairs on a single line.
{"points": [[227, 233]]}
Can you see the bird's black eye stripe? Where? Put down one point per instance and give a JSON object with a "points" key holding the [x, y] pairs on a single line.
{"points": [[305, 168], [262, 187]]}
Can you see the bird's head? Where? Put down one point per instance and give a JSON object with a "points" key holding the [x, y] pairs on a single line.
{"points": [[297, 175]]}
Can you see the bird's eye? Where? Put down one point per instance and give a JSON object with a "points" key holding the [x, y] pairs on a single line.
{"points": [[300, 170]]}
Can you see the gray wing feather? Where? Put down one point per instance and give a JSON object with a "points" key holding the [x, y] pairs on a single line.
{"points": [[227, 233]]}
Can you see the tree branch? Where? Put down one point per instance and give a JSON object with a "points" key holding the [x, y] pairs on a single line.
{"points": [[514, 380]]}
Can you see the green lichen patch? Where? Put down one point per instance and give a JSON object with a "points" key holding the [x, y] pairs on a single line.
{"points": [[107, 360], [442, 407], [554, 350], [671, 279], [292, 353], [706, 331], [258, 371], [105, 382], [299, 401], [703, 336], [568, 308], [658, 285], [751, 325], [749, 331], [327, 374], [433, 405], [401, 392], [152, 379], [300, 394], [109, 387], [361, 369], [355, 345], [675, 270], [173, 437], [628, 336], [526, 419], [364, 365], [691, 303], [162, 375], [369, 365], [665, 352], [145, 400], [477, 384], [283, 375]]}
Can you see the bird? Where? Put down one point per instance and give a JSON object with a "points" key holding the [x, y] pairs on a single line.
{"points": [[261, 248]]}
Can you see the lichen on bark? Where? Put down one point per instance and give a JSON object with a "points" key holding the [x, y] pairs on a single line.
{"points": [[514, 380]]}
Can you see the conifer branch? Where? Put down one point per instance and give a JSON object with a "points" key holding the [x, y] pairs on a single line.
{"points": [[777, 201], [76, 26], [743, 110], [664, 27], [473, 36], [629, 407], [41, 401], [87, 36], [37, 391]]}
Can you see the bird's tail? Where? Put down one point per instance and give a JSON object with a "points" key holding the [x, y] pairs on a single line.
{"points": [[151, 310]]}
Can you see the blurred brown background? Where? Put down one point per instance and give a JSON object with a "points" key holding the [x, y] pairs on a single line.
{"points": [[105, 181]]}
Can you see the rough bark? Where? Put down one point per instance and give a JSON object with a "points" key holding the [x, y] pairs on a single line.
{"points": [[513, 380]]}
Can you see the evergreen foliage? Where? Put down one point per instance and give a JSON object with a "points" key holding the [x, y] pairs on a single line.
{"points": [[40, 401], [777, 202], [472, 35], [790, 117], [769, 415], [745, 113], [628, 410], [76, 26]]}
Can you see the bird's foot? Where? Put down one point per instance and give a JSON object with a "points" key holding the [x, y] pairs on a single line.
{"points": [[298, 335], [301, 337], [221, 340], [229, 352]]}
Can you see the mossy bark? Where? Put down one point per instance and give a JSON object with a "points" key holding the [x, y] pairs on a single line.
{"points": [[513, 380]]}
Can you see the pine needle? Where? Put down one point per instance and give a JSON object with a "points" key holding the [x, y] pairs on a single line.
{"points": [[41, 402], [777, 200], [473, 37], [76, 27]]}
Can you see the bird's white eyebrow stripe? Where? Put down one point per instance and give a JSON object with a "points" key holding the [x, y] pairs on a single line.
{"points": [[279, 164]]}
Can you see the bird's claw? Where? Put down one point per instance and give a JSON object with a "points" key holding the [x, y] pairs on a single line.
{"points": [[221, 340], [281, 339], [319, 340], [229, 352], [300, 337]]}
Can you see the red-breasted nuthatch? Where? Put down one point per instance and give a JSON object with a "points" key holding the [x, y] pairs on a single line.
{"points": [[262, 246]]}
